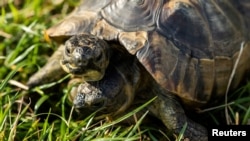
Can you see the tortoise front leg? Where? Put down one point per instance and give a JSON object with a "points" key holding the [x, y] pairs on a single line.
{"points": [[52, 71], [171, 113]]}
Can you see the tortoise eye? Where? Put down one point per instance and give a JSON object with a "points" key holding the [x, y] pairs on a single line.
{"points": [[67, 50], [99, 57]]}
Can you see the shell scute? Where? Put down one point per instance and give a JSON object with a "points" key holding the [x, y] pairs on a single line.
{"points": [[132, 15], [184, 25]]}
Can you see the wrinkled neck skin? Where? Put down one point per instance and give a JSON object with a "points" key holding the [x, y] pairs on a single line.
{"points": [[147, 88], [126, 65], [139, 86]]}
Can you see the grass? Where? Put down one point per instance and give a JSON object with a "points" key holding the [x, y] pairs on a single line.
{"points": [[22, 114]]}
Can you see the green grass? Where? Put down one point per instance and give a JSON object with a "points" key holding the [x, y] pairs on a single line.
{"points": [[23, 51]]}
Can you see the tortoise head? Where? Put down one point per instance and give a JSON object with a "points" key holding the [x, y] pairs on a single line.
{"points": [[112, 94], [87, 56]]}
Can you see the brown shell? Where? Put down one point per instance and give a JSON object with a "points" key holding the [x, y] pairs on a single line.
{"points": [[189, 46]]}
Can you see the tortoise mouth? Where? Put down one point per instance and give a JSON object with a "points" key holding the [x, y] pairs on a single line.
{"points": [[70, 67], [86, 72]]}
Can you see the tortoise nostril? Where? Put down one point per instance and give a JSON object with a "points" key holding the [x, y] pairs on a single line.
{"points": [[79, 50], [79, 57], [80, 61]]}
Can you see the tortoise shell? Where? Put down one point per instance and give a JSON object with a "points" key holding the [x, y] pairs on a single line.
{"points": [[190, 47]]}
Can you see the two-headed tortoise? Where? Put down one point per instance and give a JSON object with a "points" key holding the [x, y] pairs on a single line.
{"points": [[183, 51]]}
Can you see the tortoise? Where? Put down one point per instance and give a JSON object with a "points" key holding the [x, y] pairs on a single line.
{"points": [[182, 51]]}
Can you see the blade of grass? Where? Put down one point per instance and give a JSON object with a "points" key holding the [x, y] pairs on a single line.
{"points": [[33, 127], [50, 137], [47, 130], [125, 132], [152, 137], [115, 133], [46, 123], [20, 113], [116, 139], [23, 55], [214, 119], [228, 119], [9, 76], [40, 102], [83, 126], [2, 18], [56, 115], [49, 85], [15, 53], [246, 117], [28, 29], [242, 100], [179, 138], [14, 12], [3, 115], [64, 130], [126, 116], [136, 127]]}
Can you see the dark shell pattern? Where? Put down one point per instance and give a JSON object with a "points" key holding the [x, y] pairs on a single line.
{"points": [[189, 46]]}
